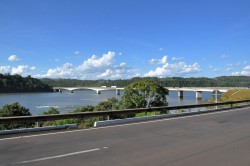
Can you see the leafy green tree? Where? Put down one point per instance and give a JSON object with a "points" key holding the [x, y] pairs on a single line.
{"points": [[144, 94], [15, 109]]}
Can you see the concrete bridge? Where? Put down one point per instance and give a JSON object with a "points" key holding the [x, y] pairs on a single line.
{"points": [[198, 90], [97, 89]]}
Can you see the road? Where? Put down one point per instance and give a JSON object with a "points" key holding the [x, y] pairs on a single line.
{"points": [[212, 139]]}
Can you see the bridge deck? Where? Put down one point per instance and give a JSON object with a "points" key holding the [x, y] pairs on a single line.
{"points": [[200, 89]]}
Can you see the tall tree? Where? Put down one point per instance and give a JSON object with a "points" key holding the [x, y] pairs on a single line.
{"points": [[144, 94]]}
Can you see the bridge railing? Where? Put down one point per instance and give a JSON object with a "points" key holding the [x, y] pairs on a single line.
{"points": [[115, 113]]}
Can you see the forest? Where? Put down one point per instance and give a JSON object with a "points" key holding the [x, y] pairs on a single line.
{"points": [[223, 81], [16, 83]]}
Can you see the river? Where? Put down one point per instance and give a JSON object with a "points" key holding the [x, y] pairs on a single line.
{"points": [[67, 102]]}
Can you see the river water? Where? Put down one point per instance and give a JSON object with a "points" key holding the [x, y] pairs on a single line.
{"points": [[67, 102]]}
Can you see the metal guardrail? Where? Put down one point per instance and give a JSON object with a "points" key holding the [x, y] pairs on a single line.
{"points": [[84, 115]]}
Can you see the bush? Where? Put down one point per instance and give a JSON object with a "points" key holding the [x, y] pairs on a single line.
{"points": [[15, 109], [87, 108], [52, 110], [110, 104]]}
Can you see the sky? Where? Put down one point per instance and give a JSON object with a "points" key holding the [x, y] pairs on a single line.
{"points": [[122, 39]]}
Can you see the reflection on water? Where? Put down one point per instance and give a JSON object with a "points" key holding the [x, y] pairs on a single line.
{"points": [[66, 101]]}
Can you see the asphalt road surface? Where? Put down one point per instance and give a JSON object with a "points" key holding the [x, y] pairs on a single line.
{"points": [[218, 139]]}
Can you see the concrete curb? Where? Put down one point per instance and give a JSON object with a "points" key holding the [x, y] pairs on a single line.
{"points": [[148, 118], [18, 131]]}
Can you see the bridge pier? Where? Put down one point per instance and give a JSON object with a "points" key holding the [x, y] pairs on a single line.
{"points": [[72, 91], [98, 92], [198, 95], [180, 94], [118, 92]]}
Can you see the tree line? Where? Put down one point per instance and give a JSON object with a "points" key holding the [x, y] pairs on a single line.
{"points": [[16, 83], [223, 81]]}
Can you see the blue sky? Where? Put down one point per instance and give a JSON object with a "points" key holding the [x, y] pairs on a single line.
{"points": [[120, 39]]}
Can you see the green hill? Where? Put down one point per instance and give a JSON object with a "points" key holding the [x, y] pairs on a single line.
{"points": [[16, 83]]}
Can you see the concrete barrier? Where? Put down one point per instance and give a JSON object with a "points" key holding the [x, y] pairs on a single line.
{"points": [[37, 129]]}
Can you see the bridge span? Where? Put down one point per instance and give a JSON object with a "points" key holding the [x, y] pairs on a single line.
{"points": [[97, 89], [198, 90]]}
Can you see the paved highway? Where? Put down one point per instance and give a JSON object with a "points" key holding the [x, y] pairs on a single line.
{"points": [[221, 139]]}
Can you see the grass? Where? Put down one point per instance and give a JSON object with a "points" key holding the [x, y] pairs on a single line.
{"points": [[232, 95], [237, 94]]}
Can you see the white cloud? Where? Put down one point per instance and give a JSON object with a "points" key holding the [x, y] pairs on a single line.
{"points": [[77, 52], [158, 61], [175, 69], [247, 67], [92, 68], [59, 72], [167, 69], [13, 58], [67, 65], [237, 64], [121, 71], [5, 69], [107, 73], [22, 69], [66, 71], [245, 71], [94, 62], [177, 58]]}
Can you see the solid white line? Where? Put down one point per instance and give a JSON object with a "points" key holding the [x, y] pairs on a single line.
{"points": [[129, 124], [58, 156]]}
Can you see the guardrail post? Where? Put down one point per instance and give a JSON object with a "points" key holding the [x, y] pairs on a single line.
{"points": [[37, 124]]}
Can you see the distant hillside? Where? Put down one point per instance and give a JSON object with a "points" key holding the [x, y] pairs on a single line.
{"points": [[17, 83], [224, 81]]}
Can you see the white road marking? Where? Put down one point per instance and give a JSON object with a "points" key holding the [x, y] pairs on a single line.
{"points": [[129, 124], [58, 156]]}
